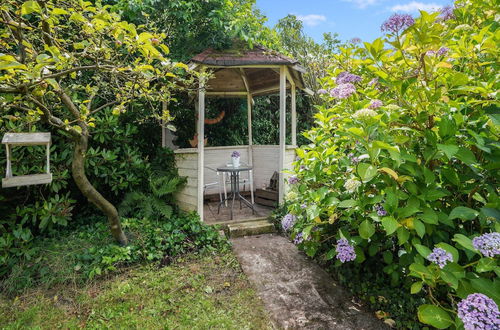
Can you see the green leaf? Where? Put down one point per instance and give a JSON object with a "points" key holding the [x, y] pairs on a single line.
{"points": [[390, 225], [486, 265], [466, 156], [366, 171], [347, 203], [356, 131], [420, 271], [59, 11], [30, 7], [12, 65], [434, 194], [416, 287], [424, 251], [449, 278], [490, 212], [487, 287], [447, 127], [384, 145], [449, 149], [403, 235], [429, 216], [434, 316], [366, 229], [464, 241], [419, 227], [464, 213]]}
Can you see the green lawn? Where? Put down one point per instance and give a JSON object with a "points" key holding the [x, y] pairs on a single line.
{"points": [[201, 292]]}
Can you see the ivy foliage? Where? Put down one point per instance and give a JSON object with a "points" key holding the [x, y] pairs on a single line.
{"points": [[404, 159]]}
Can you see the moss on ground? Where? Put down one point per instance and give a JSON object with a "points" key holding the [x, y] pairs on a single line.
{"points": [[198, 292]]}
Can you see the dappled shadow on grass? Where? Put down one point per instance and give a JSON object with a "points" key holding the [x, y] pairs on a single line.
{"points": [[203, 291]]}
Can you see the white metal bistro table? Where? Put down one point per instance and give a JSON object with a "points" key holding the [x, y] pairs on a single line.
{"points": [[234, 173]]}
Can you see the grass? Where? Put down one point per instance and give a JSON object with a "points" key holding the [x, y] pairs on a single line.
{"points": [[196, 292]]}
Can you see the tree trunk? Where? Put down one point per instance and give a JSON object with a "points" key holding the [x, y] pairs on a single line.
{"points": [[78, 169]]}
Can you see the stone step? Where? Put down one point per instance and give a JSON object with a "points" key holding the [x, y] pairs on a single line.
{"points": [[250, 228]]}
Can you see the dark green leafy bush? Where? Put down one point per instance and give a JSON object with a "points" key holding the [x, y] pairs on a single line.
{"points": [[403, 164]]}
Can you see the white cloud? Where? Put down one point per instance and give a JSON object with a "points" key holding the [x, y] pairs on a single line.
{"points": [[311, 20], [415, 6], [362, 3]]}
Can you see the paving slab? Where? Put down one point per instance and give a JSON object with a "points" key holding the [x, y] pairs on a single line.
{"points": [[297, 293]]}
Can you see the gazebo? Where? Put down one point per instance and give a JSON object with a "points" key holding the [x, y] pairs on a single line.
{"points": [[241, 73]]}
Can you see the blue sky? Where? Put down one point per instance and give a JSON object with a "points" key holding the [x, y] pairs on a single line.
{"points": [[349, 18]]}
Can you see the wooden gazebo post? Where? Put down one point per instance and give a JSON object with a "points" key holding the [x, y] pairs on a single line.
{"points": [[201, 146], [282, 126]]}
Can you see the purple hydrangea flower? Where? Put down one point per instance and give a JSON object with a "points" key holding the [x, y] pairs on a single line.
{"points": [[488, 244], [478, 311], [381, 212], [345, 251], [288, 221], [235, 154], [375, 104], [442, 51], [353, 158], [397, 23], [446, 13], [347, 77], [293, 180], [440, 257], [372, 82], [343, 91], [298, 239], [355, 40]]}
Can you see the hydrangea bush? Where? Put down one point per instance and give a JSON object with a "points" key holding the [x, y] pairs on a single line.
{"points": [[403, 163]]}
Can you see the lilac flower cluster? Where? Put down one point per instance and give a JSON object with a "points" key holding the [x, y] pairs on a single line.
{"points": [[293, 179], [446, 13], [440, 257], [442, 51], [288, 221], [375, 104], [355, 40], [488, 244], [235, 154], [397, 23], [299, 238], [343, 91], [347, 77], [478, 311], [345, 251], [373, 82], [381, 212], [322, 91], [353, 158]]}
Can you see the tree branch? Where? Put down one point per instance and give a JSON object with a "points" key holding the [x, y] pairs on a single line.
{"points": [[104, 106], [53, 120]]}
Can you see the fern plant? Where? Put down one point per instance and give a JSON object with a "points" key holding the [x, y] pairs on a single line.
{"points": [[156, 202]]}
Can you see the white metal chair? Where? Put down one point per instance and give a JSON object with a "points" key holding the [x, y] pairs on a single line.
{"points": [[249, 180], [216, 183]]}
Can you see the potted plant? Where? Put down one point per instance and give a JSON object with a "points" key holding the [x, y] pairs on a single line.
{"points": [[235, 158]]}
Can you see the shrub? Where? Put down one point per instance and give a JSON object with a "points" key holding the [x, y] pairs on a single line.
{"points": [[403, 161], [80, 255]]}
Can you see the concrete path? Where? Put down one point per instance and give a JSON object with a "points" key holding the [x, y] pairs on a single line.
{"points": [[297, 293]]}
